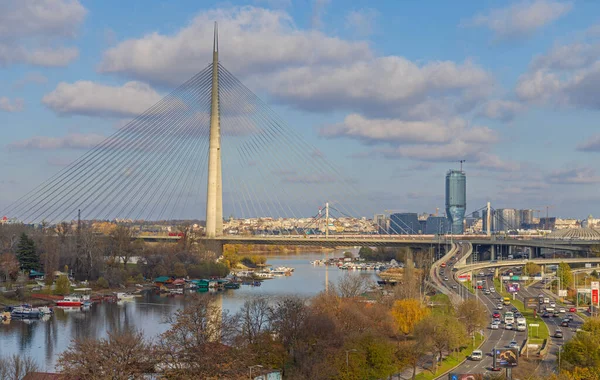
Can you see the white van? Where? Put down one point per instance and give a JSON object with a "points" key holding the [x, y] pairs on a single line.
{"points": [[546, 300], [477, 355], [521, 326]]}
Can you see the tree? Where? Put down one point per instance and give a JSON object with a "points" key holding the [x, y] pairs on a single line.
{"points": [[63, 285], [564, 275], [120, 239], [123, 356], [473, 315], [531, 268], [350, 285], [254, 319], [27, 254], [348, 255], [407, 313], [15, 367], [199, 342], [9, 267], [366, 253], [443, 333], [583, 350]]}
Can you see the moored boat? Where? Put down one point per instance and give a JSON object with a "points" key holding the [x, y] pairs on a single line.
{"points": [[25, 312], [74, 300]]}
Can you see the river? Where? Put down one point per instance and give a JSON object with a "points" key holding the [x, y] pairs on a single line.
{"points": [[45, 340]]}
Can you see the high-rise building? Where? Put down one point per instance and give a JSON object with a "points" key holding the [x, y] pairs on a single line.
{"points": [[404, 223], [526, 218], [436, 225], [381, 223], [456, 200]]}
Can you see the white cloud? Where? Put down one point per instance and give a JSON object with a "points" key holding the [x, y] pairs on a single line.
{"points": [[567, 57], [361, 22], [504, 110], [11, 106], [34, 18], [319, 9], [30, 78], [71, 141], [493, 162], [522, 19], [579, 176], [31, 31], [381, 86], [591, 144], [538, 86], [395, 131], [251, 40], [93, 99]]}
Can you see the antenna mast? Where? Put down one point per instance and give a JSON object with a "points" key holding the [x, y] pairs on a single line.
{"points": [[461, 162]]}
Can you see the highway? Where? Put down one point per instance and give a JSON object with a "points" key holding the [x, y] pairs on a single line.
{"points": [[502, 337]]}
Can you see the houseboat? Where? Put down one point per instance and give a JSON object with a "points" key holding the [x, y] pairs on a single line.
{"points": [[74, 300]]}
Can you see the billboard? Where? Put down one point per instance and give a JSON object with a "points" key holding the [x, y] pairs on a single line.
{"points": [[464, 277], [531, 302], [594, 296], [506, 357], [513, 288], [562, 293], [465, 376]]}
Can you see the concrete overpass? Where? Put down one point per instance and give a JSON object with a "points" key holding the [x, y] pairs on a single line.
{"points": [[423, 241], [511, 263]]}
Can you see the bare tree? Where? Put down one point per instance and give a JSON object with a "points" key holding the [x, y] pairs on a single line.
{"points": [[123, 356], [15, 367], [350, 286], [254, 319], [198, 343]]}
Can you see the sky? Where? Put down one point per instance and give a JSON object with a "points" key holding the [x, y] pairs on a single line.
{"points": [[393, 93]]}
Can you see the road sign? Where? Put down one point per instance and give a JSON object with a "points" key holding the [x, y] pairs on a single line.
{"points": [[595, 285], [583, 290], [562, 293], [531, 302], [534, 325], [465, 376]]}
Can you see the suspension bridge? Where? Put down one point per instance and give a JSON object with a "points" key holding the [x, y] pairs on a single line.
{"points": [[153, 168]]}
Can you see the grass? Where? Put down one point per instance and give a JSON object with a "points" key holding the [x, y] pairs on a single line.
{"points": [[542, 331], [469, 286], [452, 360]]}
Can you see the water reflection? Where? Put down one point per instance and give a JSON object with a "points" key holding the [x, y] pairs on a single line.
{"points": [[45, 340]]}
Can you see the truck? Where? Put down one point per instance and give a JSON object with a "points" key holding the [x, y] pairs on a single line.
{"points": [[521, 326], [509, 317]]}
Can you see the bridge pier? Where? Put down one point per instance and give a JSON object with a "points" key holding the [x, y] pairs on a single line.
{"points": [[214, 247], [492, 252]]}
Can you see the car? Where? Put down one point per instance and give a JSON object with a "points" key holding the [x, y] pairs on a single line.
{"points": [[570, 317], [514, 310], [562, 310], [497, 321], [496, 315], [481, 274], [479, 287], [565, 323], [499, 306], [454, 286], [556, 315], [518, 315], [487, 292], [477, 355], [552, 304], [445, 278], [509, 326], [572, 310], [494, 326], [545, 315], [558, 334], [454, 269], [513, 344], [492, 290]]}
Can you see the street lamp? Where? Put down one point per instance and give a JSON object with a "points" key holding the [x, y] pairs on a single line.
{"points": [[347, 358], [254, 366]]}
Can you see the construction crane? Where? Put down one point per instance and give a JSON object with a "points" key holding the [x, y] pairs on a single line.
{"points": [[546, 221]]}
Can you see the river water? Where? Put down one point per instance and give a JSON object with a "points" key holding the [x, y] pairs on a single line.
{"points": [[45, 340]]}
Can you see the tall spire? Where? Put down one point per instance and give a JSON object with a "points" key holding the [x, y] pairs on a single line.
{"points": [[216, 39], [214, 193]]}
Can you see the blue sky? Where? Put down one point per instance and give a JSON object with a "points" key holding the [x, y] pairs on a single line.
{"points": [[393, 92]]}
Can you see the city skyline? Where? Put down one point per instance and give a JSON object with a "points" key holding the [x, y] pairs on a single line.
{"points": [[498, 92]]}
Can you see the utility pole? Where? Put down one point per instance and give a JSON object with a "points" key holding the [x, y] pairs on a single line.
{"points": [[326, 219]]}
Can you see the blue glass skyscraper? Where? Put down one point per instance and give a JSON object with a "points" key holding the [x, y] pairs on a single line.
{"points": [[456, 200]]}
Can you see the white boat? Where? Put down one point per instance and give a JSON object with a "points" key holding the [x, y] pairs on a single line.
{"points": [[263, 275], [125, 296], [176, 291]]}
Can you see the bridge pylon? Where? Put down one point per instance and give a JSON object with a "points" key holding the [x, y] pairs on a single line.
{"points": [[214, 193]]}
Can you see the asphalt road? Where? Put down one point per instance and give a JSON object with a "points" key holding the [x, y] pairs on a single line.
{"points": [[502, 337]]}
